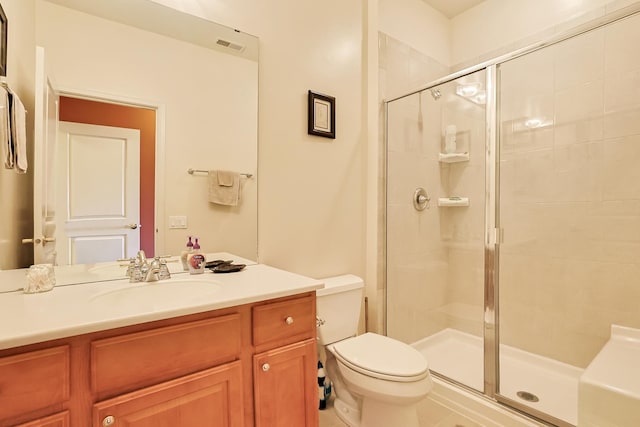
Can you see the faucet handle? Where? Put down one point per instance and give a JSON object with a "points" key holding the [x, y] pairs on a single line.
{"points": [[131, 266], [164, 270], [142, 258], [136, 272]]}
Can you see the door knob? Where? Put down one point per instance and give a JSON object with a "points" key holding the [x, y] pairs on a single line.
{"points": [[133, 226], [38, 240]]}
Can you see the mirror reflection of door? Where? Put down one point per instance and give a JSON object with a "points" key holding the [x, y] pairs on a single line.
{"points": [[99, 193], [121, 181]]}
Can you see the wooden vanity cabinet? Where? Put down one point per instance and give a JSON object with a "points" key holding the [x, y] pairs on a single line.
{"points": [[35, 381], [285, 363], [242, 366]]}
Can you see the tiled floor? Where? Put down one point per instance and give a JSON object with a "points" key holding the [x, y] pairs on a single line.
{"points": [[430, 414], [328, 417]]}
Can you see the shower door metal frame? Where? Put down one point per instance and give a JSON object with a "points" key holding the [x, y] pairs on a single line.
{"points": [[493, 232], [491, 238]]}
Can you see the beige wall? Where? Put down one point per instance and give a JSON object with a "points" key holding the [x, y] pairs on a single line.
{"points": [[418, 25], [495, 27], [16, 194], [312, 189]]}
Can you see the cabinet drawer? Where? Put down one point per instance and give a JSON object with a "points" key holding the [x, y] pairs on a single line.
{"points": [[34, 380], [141, 359], [57, 420], [213, 397], [284, 322]]}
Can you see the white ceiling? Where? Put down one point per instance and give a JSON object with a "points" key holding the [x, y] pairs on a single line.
{"points": [[451, 8]]}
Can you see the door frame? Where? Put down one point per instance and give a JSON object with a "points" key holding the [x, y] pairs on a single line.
{"points": [[160, 108]]}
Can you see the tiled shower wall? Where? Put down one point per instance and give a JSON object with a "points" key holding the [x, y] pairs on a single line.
{"points": [[570, 194]]}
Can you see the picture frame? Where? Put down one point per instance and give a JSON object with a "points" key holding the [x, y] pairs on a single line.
{"points": [[3, 42], [322, 115]]}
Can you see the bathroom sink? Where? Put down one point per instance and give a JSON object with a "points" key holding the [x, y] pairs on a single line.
{"points": [[151, 296]]}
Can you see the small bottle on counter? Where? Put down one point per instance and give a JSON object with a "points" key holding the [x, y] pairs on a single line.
{"points": [[196, 260], [185, 254]]}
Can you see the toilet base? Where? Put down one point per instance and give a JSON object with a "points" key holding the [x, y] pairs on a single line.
{"points": [[380, 414], [348, 414]]}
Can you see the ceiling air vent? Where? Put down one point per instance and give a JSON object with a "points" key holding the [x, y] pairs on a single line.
{"points": [[230, 45]]}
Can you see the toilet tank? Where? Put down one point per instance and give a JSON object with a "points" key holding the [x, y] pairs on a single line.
{"points": [[338, 307]]}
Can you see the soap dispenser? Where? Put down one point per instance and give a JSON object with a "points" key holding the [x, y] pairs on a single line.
{"points": [[185, 254], [196, 260]]}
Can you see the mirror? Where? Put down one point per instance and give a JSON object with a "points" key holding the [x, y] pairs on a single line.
{"points": [[199, 77]]}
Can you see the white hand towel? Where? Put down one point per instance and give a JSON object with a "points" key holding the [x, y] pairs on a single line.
{"points": [[5, 130], [19, 133], [224, 187]]}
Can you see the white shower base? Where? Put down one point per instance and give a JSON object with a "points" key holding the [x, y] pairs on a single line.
{"points": [[459, 356]]}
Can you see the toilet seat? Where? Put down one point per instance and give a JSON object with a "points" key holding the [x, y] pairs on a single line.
{"points": [[382, 357]]}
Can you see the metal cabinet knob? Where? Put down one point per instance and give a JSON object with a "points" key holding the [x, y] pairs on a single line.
{"points": [[266, 367], [108, 420], [289, 320]]}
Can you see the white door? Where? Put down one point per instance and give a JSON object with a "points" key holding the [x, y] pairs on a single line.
{"points": [[46, 129], [98, 193]]}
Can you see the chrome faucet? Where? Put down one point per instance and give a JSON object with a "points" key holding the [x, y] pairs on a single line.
{"points": [[141, 270], [153, 271]]}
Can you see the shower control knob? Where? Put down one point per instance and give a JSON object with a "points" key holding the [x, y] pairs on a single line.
{"points": [[265, 367], [288, 320], [421, 199], [108, 421]]}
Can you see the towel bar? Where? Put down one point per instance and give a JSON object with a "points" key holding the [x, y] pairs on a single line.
{"points": [[192, 171]]}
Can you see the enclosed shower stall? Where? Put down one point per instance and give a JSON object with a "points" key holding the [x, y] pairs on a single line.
{"points": [[513, 216]]}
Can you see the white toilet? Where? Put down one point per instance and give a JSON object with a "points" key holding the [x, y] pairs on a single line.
{"points": [[377, 381]]}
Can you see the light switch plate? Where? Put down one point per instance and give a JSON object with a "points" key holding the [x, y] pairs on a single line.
{"points": [[177, 222]]}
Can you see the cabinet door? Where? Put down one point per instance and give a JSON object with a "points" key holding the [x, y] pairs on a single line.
{"points": [[286, 389], [210, 398], [58, 420]]}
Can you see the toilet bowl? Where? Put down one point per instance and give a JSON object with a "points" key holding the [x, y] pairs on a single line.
{"points": [[377, 380]]}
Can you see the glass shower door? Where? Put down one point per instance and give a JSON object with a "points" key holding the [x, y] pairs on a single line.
{"points": [[435, 244], [569, 191]]}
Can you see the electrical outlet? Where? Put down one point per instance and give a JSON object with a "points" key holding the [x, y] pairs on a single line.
{"points": [[177, 222]]}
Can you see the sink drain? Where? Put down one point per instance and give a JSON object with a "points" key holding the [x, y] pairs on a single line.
{"points": [[529, 397]]}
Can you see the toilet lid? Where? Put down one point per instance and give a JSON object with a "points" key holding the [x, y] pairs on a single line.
{"points": [[382, 357]]}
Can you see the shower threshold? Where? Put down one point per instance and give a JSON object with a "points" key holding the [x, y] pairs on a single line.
{"points": [[524, 376]]}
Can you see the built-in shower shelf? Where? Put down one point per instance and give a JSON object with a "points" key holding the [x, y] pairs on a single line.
{"points": [[453, 202], [454, 157]]}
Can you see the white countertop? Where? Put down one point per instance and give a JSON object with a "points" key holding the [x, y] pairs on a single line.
{"points": [[89, 307]]}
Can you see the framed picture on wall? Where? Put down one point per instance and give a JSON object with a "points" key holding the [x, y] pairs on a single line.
{"points": [[3, 42], [322, 115]]}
